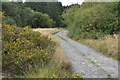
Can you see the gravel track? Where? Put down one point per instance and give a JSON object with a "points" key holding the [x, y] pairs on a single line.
{"points": [[85, 60]]}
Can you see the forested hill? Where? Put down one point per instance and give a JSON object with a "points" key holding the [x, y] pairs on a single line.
{"points": [[34, 14]]}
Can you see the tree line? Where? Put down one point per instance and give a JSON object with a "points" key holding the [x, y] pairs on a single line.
{"points": [[92, 20], [34, 14]]}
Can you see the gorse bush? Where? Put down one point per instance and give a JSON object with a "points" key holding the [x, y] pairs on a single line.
{"points": [[92, 20], [24, 49]]}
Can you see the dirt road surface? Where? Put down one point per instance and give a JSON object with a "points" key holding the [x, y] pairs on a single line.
{"points": [[85, 60]]}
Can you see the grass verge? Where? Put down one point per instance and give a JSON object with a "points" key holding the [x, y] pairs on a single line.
{"points": [[58, 67], [108, 45]]}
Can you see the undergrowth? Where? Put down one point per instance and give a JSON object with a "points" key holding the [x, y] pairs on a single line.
{"points": [[24, 49]]}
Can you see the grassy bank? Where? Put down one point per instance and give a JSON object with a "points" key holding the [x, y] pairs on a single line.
{"points": [[59, 66], [108, 45]]}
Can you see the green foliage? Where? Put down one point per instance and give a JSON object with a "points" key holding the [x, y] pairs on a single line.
{"points": [[92, 20], [8, 20], [39, 19], [24, 49], [53, 9], [12, 10], [17, 13]]}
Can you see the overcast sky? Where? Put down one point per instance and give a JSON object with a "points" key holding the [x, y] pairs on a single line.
{"points": [[64, 2], [68, 2]]}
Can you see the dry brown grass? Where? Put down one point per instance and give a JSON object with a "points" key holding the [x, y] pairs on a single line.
{"points": [[108, 46], [47, 31], [60, 58]]}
